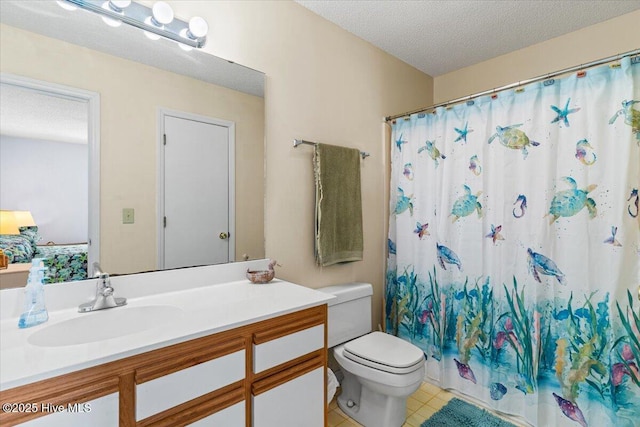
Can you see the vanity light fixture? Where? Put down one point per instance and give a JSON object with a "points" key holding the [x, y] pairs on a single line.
{"points": [[157, 21]]}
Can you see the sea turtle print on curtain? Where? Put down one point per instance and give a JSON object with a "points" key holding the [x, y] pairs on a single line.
{"points": [[523, 291]]}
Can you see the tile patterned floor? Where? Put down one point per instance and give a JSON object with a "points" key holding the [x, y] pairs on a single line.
{"points": [[422, 404]]}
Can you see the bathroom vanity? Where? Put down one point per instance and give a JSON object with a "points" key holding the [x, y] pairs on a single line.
{"points": [[229, 353]]}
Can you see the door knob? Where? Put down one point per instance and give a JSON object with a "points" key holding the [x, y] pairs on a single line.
{"points": [[223, 235]]}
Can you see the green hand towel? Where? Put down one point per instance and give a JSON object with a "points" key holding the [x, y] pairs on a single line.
{"points": [[338, 205]]}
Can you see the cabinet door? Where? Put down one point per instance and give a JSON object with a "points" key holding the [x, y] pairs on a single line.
{"points": [[296, 403], [233, 416], [101, 412]]}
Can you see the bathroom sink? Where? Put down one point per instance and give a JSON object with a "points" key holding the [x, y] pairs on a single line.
{"points": [[104, 325]]}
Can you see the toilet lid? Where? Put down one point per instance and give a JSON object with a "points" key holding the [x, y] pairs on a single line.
{"points": [[385, 352]]}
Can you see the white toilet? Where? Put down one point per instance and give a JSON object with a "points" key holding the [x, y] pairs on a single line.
{"points": [[380, 370]]}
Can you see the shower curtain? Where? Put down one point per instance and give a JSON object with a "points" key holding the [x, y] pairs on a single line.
{"points": [[514, 247]]}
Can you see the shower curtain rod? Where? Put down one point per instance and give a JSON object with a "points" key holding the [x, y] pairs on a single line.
{"points": [[297, 142], [520, 83]]}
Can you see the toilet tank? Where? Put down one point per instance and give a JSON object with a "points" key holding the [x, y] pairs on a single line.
{"points": [[349, 314]]}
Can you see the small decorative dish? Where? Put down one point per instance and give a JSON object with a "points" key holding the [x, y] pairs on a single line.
{"points": [[262, 276]]}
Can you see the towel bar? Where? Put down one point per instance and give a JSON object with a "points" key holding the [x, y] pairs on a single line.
{"points": [[297, 142]]}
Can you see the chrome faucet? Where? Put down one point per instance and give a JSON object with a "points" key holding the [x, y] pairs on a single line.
{"points": [[104, 293]]}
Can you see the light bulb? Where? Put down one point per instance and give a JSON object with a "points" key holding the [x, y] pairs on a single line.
{"points": [[66, 5], [197, 27], [150, 35], [110, 21], [118, 5], [162, 14]]}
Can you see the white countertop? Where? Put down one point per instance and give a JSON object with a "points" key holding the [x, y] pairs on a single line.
{"points": [[205, 310]]}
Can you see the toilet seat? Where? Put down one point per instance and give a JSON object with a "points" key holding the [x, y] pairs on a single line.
{"points": [[384, 352], [367, 373]]}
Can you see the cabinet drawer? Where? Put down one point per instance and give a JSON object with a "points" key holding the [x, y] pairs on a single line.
{"points": [[280, 350], [233, 416], [101, 412], [299, 402], [171, 390]]}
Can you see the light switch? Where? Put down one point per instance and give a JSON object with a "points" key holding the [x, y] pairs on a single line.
{"points": [[127, 216]]}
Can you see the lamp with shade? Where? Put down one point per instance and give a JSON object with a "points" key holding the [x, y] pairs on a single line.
{"points": [[24, 219]]}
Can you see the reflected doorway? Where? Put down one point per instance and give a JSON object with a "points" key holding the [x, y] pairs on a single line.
{"points": [[196, 183], [49, 166]]}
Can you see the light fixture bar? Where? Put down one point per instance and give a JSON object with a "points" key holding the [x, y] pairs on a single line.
{"points": [[135, 14]]}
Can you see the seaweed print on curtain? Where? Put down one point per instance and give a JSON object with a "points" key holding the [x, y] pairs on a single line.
{"points": [[514, 247]]}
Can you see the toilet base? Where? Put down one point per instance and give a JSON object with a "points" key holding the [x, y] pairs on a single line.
{"points": [[370, 408]]}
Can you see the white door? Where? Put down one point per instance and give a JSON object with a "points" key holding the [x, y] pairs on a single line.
{"points": [[196, 193]]}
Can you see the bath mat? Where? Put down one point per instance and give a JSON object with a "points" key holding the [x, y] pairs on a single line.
{"points": [[458, 413]]}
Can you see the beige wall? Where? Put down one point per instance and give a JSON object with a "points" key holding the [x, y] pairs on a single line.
{"points": [[130, 94], [323, 84], [598, 41]]}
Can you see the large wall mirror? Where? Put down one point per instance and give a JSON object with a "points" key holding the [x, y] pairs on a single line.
{"points": [[73, 85]]}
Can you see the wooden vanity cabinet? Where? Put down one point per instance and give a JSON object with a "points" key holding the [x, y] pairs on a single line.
{"points": [[267, 374]]}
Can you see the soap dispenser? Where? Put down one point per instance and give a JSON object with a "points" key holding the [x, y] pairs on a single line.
{"points": [[35, 311]]}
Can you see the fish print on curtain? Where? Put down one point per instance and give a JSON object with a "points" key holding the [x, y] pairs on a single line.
{"points": [[514, 247]]}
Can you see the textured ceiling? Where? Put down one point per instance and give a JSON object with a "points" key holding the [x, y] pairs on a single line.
{"points": [[437, 37], [33, 114]]}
